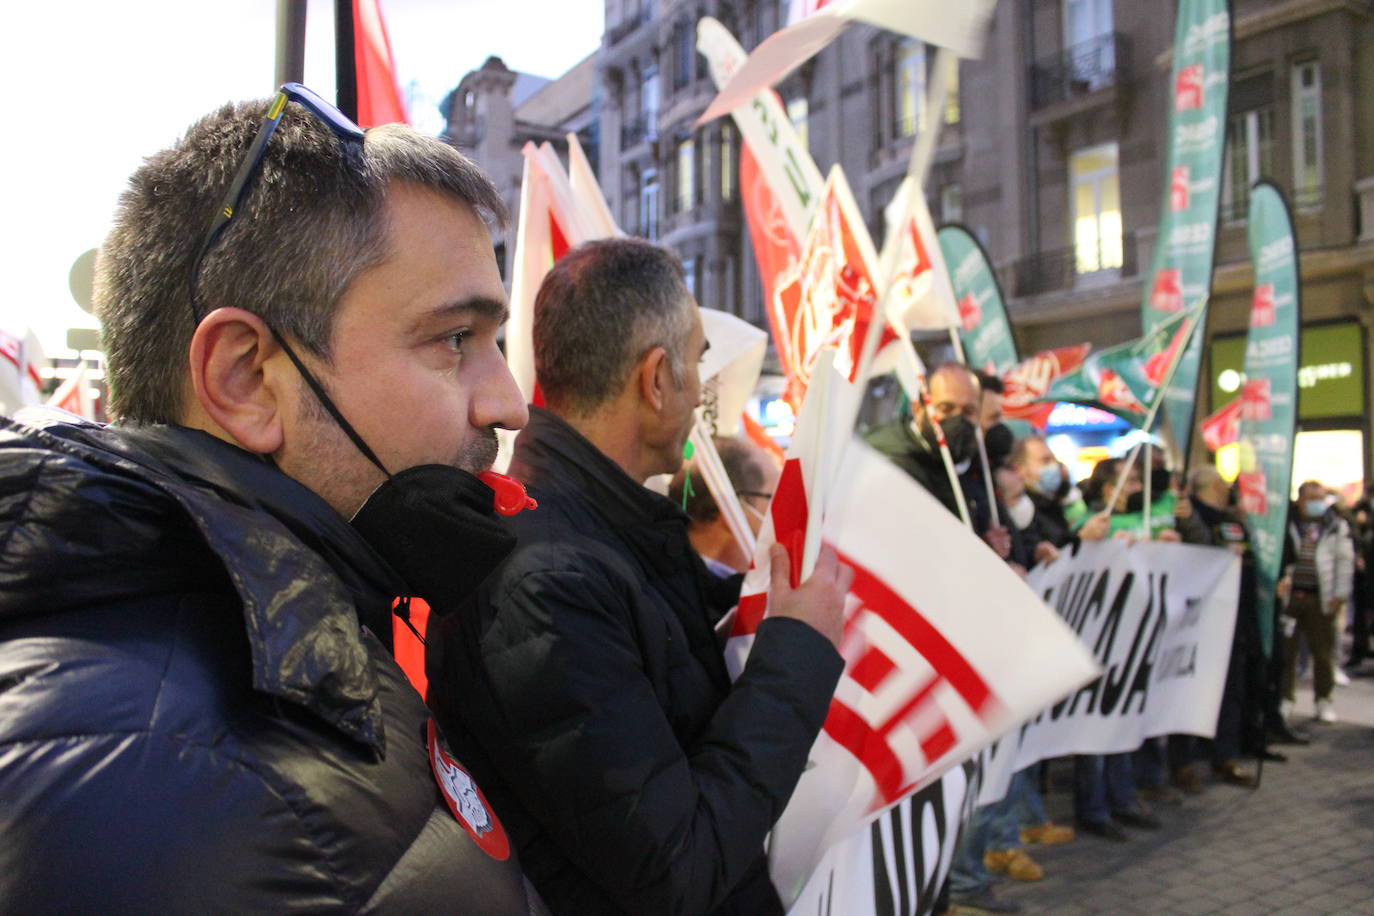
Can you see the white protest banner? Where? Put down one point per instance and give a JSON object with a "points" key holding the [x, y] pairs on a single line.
{"points": [[1158, 617], [897, 864]]}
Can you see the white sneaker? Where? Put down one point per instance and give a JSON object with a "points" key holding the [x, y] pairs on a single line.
{"points": [[1286, 710], [1342, 679], [1325, 711]]}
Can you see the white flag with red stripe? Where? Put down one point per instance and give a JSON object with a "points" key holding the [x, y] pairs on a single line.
{"points": [[21, 357], [945, 647], [74, 395]]}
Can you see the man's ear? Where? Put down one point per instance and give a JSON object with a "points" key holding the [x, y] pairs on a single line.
{"points": [[237, 382], [654, 376]]}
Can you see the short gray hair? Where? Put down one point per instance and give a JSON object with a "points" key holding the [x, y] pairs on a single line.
{"points": [[312, 222], [602, 307]]}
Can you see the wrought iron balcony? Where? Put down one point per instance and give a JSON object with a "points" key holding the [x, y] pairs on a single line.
{"points": [[638, 130], [1081, 70], [1062, 268]]}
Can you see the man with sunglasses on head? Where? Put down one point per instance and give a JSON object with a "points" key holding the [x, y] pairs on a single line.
{"points": [[198, 709]]}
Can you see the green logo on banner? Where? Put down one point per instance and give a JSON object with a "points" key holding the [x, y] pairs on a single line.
{"points": [[1181, 270]]}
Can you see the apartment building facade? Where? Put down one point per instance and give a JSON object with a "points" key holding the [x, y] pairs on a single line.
{"points": [[1051, 150]]}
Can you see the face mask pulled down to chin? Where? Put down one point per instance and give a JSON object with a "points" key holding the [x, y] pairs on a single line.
{"points": [[437, 527]]}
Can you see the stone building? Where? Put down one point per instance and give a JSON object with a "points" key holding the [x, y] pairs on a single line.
{"points": [[1052, 151]]}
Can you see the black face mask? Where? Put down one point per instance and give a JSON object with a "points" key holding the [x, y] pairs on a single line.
{"points": [[436, 526], [959, 436], [998, 441], [1160, 481], [1135, 502]]}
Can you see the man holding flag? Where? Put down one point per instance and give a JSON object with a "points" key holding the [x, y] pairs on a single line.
{"points": [[587, 685]]}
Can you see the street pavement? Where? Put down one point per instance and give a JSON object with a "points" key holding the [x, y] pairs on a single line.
{"points": [[1301, 843]]}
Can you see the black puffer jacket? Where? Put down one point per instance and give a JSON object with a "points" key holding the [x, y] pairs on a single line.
{"points": [[191, 718], [634, 777]]}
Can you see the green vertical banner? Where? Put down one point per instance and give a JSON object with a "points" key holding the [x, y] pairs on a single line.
{"points": [[1181, 271], [983, 326], [1269, 396]]}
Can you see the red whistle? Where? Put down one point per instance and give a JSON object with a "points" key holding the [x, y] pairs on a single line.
{"points": [[511, 498]]}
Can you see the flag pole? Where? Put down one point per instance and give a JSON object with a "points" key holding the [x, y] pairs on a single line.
{"points": [[345, 62], [921, 153]]}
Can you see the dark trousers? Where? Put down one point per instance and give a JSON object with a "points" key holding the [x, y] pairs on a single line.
{"points": [[1309, 621]]}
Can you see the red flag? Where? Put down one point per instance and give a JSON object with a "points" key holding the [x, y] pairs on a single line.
{"points": [[1223, 427], [379, 95]]}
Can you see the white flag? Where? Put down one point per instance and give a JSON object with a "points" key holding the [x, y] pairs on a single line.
{"points": [[945, 647], [957, 26]]}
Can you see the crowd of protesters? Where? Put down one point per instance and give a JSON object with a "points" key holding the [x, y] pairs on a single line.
{"points": [[198, 703]]}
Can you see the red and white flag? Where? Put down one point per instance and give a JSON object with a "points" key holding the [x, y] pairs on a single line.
{"points": [[945, 647], [957, 26], [922, 297], [21, 356], [379, 95], [1223, 427], [74, 395], [1029, 380]]}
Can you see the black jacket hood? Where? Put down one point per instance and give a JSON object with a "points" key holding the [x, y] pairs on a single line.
{"points": [[216, 518]]}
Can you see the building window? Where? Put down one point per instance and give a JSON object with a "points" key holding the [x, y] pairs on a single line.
{"points": [[1307, 134], [648, 95], [689, 275], [648, 205], [632, 201], [798, 110], [911, 86], [1096, 207], [952, 111], [683, 52], [727, 162], [686, 174], [951, 203], [1249, 156]]}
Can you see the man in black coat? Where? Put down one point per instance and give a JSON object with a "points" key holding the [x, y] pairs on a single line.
{"points": [[587, 687], [198, 710]]}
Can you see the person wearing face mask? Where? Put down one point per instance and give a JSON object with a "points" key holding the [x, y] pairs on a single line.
{"points": [[754, 474], [198, 705], [1319, 572], [1046, 484]]}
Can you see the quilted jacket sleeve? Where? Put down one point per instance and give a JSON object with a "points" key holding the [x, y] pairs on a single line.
{"points": [[586, 746]]}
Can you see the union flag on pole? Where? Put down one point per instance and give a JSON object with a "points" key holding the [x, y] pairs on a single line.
{"points": [[1026, 383], [1223, 427], [74, 395], [945, 647], [828, 297]]}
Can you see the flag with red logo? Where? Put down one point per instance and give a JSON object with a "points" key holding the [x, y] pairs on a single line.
{"points": [[1126, 379], [959, 27], [1180, 271], [928, 679], [1026, 384], [827, 297], [922, 296], [1223, 427]]}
